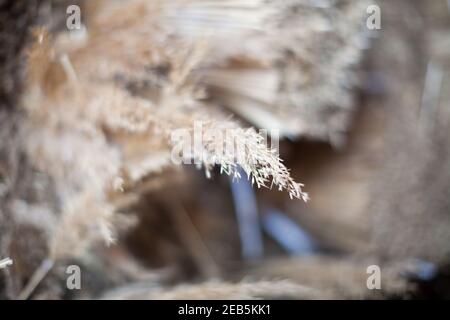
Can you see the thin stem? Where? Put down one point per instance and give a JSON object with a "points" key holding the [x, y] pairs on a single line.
{"points": [[37, 277]]}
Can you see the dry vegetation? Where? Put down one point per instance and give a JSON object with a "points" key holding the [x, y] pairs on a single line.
{"points": [[86, 175]]}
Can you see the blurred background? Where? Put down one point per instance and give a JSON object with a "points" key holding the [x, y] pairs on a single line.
{"points": [[364, 121]]}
